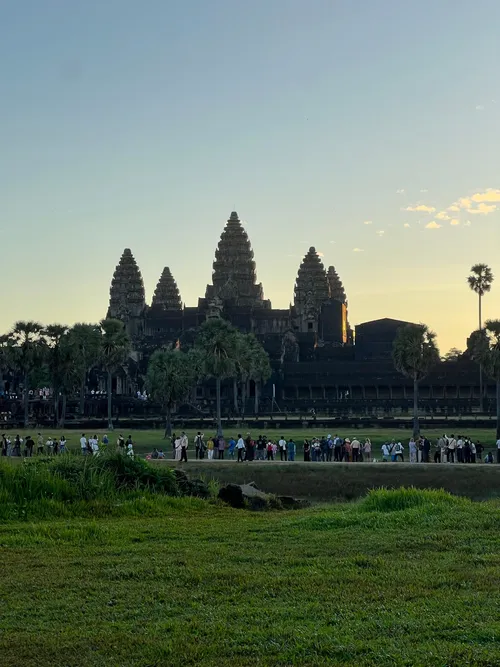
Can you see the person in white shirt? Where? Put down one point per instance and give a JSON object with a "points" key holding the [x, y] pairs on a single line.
{"points": [[83, 444], [282, 446], [385, 452], [460, 450], [398, 451], [240, 446], [95, 447], [452, 446]]}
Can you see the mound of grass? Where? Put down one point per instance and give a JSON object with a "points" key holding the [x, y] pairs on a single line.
{"points": [[397, 500]]}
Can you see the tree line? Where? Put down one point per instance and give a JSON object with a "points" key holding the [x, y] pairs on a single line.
{"points": [[69, 354], [415, 351]]}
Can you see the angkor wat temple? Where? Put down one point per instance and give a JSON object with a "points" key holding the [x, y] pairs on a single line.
{"points": [[318, 363]]}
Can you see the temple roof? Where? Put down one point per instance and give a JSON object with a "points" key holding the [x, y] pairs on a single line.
{"points": [[127, 295], [311, 286], [337, 291], [167, 294], [234, 277]]}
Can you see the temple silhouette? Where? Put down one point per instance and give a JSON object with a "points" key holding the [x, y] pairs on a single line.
{"points": [[318, 363]]}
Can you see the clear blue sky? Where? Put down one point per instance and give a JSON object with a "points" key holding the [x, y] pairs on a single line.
{"points": [[143, 124]]}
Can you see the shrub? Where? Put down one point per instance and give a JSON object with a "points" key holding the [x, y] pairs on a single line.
{"points": [[394, 500]]}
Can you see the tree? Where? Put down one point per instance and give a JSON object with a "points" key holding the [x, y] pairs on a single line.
{"points": [[252, 364], [25, 351], [414, 353], [484, 346], [479, 281], [115, 348], [62, 361], [216, 344], [85, 340], [170, 377], [454, 354]]}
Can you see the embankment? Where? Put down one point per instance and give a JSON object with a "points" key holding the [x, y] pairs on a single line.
{"points": [[334, 481]]}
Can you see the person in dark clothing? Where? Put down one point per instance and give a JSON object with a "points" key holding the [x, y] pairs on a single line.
{"points": [[426, 448], [29, 446], [307, 450]]}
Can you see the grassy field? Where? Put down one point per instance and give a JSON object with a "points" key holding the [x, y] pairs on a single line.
{"points": [[146, 440], [398, 578]]}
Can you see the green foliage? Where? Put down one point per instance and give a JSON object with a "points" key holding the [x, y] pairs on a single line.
{"points": [[415, 351], [115, 344], [217, 341], [397, 500], [484, 346], [170, 377], [480, 279]]}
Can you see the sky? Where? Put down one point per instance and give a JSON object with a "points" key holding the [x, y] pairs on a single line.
{"points": [[370, 130]]}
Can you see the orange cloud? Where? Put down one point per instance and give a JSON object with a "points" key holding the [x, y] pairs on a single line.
{"points": [[455, 221], [422, 208], [432, 225], [489, 195], [442, 215], [483, 209]]}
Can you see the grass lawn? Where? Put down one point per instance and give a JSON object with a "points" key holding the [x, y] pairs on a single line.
{"points": [[146, 440], [399, 578]]}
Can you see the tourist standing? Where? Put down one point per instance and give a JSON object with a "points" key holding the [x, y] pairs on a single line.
{"points": [[198, 445], [337, 448], [210, 448], [412, 448], [460, 450], [221, 446], [270, 451], [282, 448], [30, 446], [240, 447], [307, 451], [452, 446], [291, 449], [367, 450], [498, 450], [385, 452], [184, 446], [232, 445], [261, 448], [355, 446], [472, 452], [83, 445]]}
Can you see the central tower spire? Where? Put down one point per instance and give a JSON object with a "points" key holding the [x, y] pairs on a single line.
{"points": [[234, 280]]}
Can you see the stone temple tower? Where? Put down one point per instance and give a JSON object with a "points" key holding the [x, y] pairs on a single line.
{"points": [[337, 291], [127, 297], [234, 280], [167, 296], [311, 291]]}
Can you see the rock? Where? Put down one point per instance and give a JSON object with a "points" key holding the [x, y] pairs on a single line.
{"points": [[191, 487], [290, 503], [248, 495]]}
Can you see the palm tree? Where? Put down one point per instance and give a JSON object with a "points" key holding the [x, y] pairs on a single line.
{"points": [[484, 346], [414, 353], [217, 346], [170, 376], [25, 353], [85, 339], [479, 282], [54, 334], [252, 364], [261, 370], [115, 348]]}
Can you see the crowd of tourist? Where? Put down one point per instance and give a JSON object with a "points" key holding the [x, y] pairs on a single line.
{"points": [[50, 446], [446, 449]]}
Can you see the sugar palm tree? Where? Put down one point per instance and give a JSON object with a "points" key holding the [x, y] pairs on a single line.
{"points": [[217, 348], [414, 353], [484, 346], [260, 372], [170, 377], [115, 348], [479, 281], [25, 351], [85, 339], [54, 334]]}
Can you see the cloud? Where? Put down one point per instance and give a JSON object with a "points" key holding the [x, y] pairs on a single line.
{"points": [[320, 254], [407, 225], [489, 195], [465, 202], [483, 209], [421, 208], [454, 221], [357, 250], [467, 223], [380, 232], [480, 107], [432, 225], [424, 190], [454, 208], [401, 191], [332, 241], [442, 215], [368, 222]]}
